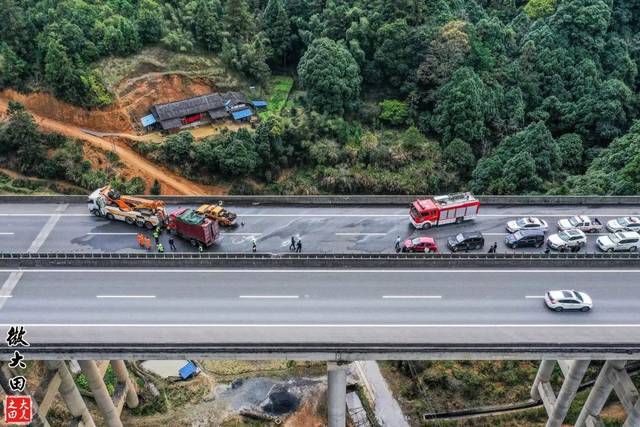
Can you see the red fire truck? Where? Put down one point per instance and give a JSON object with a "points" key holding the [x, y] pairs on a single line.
{"points": [[439, 210]]}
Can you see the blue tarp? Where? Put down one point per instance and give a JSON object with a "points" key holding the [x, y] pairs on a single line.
{"points": [[188, 370], [148, 120], [242, 114], [259, 104]]}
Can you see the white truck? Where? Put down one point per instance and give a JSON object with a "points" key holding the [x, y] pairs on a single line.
{"points": [[582, 223]]}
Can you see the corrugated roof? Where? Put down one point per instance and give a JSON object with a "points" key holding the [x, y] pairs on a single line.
{"points": [[259, 103], [195, 105], [237, 115], [218, 114], [171, 124], [148, 120]]}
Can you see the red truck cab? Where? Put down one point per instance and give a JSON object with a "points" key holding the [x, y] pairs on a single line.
{"points": [[191, 226], [439, 210]]}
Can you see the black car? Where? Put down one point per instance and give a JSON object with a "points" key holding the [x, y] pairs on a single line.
{"points": [[465, 241], [525, 238]]}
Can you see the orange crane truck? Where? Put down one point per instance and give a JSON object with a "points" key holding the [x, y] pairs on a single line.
{"points": [[108, 203]]}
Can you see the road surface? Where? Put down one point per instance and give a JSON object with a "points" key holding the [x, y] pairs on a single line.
{"points": [[317, 306], [363, 229]]}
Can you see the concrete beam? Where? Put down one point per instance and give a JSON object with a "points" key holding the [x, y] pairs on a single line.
{"points": [[100, 393], [590, 413], [122, 374], [567, 392], [337, 394]]}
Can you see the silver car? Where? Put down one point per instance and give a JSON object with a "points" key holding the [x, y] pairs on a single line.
{"points": [[627, 223], [528, 223], [567, 239], [568, 300], [620, 241]]}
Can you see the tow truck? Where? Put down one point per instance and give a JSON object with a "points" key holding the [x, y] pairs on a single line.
{"points": [[108, 203], [440, 210]]}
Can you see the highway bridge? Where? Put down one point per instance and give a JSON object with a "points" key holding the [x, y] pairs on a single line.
{"points": [[334, 314]]}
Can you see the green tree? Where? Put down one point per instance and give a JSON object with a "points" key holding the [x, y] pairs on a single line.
{"points": [[462, 108], [238, 21], [156, 189], [207, 24], [277, 28], [459, 158], [150, 21], [539, 8], [330, 75], [394, 112]]}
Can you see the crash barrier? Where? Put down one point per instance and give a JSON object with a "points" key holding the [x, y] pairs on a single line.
{"points": [[328, 200], [321, 260]]}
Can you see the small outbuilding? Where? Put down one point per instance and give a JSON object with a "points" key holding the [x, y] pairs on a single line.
{"points": [[189, 370]]}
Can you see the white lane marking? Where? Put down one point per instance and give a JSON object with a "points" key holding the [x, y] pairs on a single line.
{"points": [[341, 271], [233, 233], [268, 296], [125, 296], [412, 296], [46, 230], [111, 234], [8, 287], [534, 297], [7, 234], [361, 234], [320, 325], [495, 234]]}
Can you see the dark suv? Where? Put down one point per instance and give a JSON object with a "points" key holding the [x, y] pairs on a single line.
{"points": [[465, 241], [525, 238]]}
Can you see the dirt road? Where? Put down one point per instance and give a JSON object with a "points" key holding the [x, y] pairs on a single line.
{"points": [[135, 163]]}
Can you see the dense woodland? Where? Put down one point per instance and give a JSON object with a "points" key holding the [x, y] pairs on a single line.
{"points": [[496, 96]]}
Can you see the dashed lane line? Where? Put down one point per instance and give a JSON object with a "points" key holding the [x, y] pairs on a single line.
{"points": [[412, 297], [534, 296], [125, 296], [268, 297]]}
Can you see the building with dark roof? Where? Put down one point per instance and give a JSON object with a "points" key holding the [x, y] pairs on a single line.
{"points": [[213, 106]]}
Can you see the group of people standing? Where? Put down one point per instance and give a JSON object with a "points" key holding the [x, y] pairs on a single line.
{"points": [[295, 246], [145, 241]]}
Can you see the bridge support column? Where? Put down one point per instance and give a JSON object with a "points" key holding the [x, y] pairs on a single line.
{"points": [[70, 393], [557, 407], [589, 415], [100, 393], [122, 374], [337, 394]]}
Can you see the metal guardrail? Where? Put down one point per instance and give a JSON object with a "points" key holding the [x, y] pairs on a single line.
{"points": [[309, 256]]}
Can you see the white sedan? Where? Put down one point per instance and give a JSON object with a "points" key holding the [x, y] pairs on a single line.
{"points": [[620, 241], [528, 223], [568, 300]]}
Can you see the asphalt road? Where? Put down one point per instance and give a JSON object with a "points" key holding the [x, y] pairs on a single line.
{"points": [[70, 228], [318, 306]]}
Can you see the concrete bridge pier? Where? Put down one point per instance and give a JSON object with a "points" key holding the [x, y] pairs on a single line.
{"points": [[337, 394], [558, 406], [70, 394], [95, 378]]}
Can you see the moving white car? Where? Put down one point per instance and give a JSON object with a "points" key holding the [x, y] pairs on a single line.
{"points": [[568, 300], [627, 223], [528, 223], [567, 239], [620, 241], [580, 222]]}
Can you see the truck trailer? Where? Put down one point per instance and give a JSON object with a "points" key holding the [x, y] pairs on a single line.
{"points": [[194, 227]]}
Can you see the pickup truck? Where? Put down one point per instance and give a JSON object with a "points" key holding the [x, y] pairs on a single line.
{"points": [[582, 223]]}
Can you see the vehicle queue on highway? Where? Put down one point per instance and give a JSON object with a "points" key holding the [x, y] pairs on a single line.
{"points": [[522, 232]]}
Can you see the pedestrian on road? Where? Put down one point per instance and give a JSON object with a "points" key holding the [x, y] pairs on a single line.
{"points": [[200, 248], [490, 249], [160, 248], [172, 244], [156, 236], [140, 238], [546, 251], [254, 246], [147, 242], [398, 241], [299, 246], [292, 246], [495, 247]]}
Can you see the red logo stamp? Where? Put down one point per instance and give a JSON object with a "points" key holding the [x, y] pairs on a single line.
{"points": [[18, 410]]}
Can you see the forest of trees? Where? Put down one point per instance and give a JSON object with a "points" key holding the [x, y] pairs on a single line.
{"points": [[536, 96]]}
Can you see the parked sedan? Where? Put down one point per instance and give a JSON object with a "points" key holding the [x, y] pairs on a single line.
{"points": [[627, 223], [620, 241], [567, 239], [568, 300], [420, 244], [529, 223], [525, 238], [465, 241]]}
